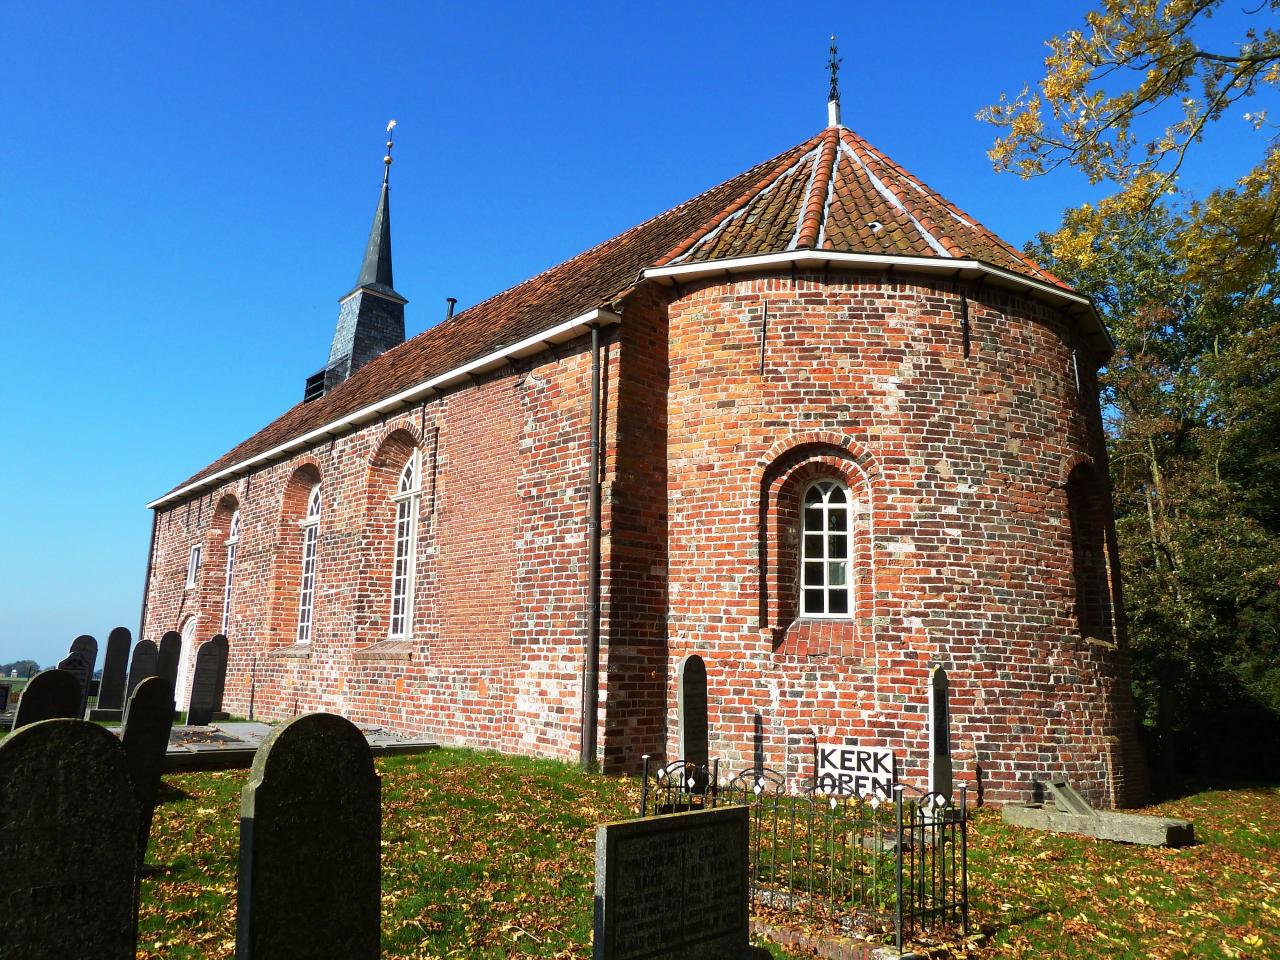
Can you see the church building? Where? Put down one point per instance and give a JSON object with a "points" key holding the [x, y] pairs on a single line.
{"points": [[817, 426]]}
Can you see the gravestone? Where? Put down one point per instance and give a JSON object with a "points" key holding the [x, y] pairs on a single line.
{"points": [[68, 835], [4, 697], [939, 733], [311, 812], [211, 666], [168, 658], [673, 887], [147, 722], [141, 665], [220, 678], [692, 710], [115, 666], [49, 695], [80, 662]]}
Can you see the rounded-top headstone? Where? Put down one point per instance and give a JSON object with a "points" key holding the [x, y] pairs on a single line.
{"points": [[148, 720], [142, 664], [49, 695], [168, 657], [312, 809], [115, 665], [69, 833]]}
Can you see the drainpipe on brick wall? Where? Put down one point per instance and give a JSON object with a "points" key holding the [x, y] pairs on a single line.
{"points": [[146, 584], [591, 672]]}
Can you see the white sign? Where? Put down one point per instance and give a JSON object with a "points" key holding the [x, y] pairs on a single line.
{"points": [[858, 770]]}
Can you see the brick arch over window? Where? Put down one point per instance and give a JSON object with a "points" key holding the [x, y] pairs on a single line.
{"points": [[286, 567], [785, 475], [213, 568], [378, 536], [1091, 563]]}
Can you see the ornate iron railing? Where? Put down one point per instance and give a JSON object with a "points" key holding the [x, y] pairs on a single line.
{"points": [[850, 864]]}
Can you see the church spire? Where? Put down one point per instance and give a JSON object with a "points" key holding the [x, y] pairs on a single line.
{"points": [[375, 269], [371, 316]]}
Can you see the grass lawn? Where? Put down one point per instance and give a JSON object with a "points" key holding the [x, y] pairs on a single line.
{"points": [[492, 856]]}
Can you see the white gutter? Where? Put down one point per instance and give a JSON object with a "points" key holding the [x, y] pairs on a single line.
{"points": [[951, 267], [524, 348]]}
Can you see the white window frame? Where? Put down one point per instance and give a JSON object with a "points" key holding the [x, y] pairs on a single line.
{"points": [[827, 561], [233, 538], [310, 525], [194, 558], [404, 562]]}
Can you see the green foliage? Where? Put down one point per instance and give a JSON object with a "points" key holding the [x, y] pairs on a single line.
{"points": [[22, 666], [1188, 287]]}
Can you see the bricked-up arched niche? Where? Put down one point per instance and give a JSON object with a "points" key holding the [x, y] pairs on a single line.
{"points": [[286, 569], [783, 487], [213, 568], [1087, 513], [386, 514]]}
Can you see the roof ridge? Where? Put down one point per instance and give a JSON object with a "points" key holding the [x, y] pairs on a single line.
{"points": [[970, 220], [685, 245], [815, 204], [921, 216]]}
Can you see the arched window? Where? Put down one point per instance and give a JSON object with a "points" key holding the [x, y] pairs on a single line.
{"points": [[233, 538], [408, 493], [826, 588], [310, 534]]}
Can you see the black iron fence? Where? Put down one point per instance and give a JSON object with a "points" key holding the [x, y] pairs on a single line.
{"points": [[851, 864]]}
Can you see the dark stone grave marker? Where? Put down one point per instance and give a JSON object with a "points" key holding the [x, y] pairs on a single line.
{"points": [[147, 722], [168, 658], [115, 665], [4, 697], [674, 887], [141, 665], [211, 663], [220, 677], [68, 836], [311, 812], [939, 733], [81, 661], [692, 710], [49, 695]]}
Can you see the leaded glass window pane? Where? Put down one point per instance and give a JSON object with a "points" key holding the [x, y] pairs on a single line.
{"points": [[826, 551]]}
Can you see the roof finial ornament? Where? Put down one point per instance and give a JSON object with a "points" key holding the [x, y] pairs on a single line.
{"points": [[386, 170], [833, 95]]}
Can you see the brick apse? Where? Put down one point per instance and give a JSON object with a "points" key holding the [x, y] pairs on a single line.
{"points": [[845, 434]]}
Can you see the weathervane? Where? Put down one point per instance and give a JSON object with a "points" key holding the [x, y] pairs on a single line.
{"points": [[833, 95], [386, 171], [834, 64]]}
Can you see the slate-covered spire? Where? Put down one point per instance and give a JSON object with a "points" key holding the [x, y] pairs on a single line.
{"points": [[371, 315], [375, 269]]}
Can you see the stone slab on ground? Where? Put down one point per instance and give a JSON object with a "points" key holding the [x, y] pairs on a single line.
{"points": [[231, 745], [1104, 825]]}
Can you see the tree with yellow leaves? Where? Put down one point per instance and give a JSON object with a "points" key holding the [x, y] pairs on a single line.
{"points": [[1189, 288]]}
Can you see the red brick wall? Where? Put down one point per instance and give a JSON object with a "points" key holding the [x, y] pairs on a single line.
{"points": [[495, 659], [962, 541]]}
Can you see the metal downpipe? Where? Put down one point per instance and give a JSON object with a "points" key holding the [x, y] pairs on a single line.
{"points": [[591, 671]]}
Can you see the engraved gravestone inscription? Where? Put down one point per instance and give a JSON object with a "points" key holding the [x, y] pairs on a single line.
{"points": [[68, 834], [673, 887], [312, 809]]}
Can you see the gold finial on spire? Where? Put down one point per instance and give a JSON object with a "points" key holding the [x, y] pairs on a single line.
{"points": [[386, 171], [833, 95]]}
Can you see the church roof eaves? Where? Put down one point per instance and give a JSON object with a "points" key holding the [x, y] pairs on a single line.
{"points": [[831, 198]]}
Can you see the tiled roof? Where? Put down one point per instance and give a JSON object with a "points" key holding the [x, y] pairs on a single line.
{"points": [[832, 192], [843, 195]]}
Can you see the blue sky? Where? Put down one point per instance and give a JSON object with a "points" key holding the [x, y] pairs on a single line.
{"points": [[185, 190]]}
